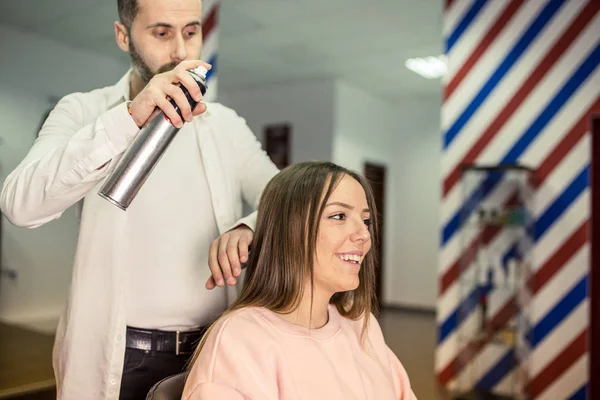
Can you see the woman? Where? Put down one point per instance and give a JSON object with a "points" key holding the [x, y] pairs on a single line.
{"points": [[302, 327]]}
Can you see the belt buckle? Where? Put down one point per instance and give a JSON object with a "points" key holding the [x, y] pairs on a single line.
{"points": [[177, 342]]}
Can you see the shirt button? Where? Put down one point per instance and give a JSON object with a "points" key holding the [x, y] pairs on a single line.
{"points": [[119, 337], [113, 382]]}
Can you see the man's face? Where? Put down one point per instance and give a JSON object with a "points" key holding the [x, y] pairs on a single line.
{"points": [[164, 33]]}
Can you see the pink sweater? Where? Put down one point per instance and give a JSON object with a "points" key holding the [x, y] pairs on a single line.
{"points": [[254, 354]]}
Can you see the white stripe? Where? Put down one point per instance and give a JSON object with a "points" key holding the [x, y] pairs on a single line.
{"points": [[569, 382], [448, 302], [453, 15], [509, 385], [471, 38], [567, 117], [562, 175], [491, 59], [571, 220], [448, 349], [559, 285], [560, 73], [537, 100], [480, 365], [556, 235], [506, 88], [558, 339], [575, 215], [567, 277], [564, 121]]}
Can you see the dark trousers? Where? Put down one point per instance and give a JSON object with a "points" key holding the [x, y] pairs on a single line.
{"points": [[143, 369]]}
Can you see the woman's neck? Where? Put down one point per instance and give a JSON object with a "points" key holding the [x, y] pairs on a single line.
{"points": [[302, 314]]}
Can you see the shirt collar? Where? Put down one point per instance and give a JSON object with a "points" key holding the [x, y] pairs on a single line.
{"points": [[120, 92]]}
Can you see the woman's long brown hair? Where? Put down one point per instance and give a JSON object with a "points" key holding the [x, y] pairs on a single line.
{"points": [[284, 244]]}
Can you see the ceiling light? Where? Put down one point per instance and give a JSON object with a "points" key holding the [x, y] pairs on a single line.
{"points": [[428, 67]]}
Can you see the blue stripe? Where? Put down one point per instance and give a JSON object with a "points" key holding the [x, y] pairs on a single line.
{"points": [[547, 219], [560, 311], [507, 363], [213, 62], [523, 43], [585, 69], [582, 73], [562, 202], [459, 315], [581, 394], [462, 26]]}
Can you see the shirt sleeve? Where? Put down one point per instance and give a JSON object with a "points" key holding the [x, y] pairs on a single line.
{"points": [[67, 160]]}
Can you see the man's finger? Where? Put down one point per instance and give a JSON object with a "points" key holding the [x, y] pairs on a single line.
{"points": [[243, 249], [224, 260], [234, 260], [213, 264], [210, 283]]}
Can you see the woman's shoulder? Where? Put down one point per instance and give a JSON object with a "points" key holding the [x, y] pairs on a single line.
{"points": [[245, 320]]}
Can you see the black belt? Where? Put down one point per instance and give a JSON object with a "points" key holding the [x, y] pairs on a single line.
{"points": [[164, 341]]}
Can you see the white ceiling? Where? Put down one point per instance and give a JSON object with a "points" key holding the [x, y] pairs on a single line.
{"points": [[269, 41]]}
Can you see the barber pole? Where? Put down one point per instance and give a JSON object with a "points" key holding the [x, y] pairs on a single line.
{"points": [[523, 81], [210, 35]]}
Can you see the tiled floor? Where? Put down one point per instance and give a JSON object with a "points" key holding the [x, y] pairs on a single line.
{"points": [[25, 356], [411, 335], [25, 362]]}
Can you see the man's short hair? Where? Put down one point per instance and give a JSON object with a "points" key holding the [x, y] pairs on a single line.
{"points": [[127, 11]]}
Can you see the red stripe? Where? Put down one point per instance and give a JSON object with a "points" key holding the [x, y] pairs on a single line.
{"points": [[473, 348], [449, 4], [560, 257], [487, 40], [516, 101], [466, 258], [558, 365], [566, 144], [210, 22]]}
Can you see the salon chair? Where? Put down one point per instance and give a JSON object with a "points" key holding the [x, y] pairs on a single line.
{"points": [[170, 388]]}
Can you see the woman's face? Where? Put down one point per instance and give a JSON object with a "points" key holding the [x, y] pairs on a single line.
{"points": [[344, 238]]}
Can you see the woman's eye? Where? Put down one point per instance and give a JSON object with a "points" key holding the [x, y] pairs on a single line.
{"points": [[339, 217], [367, 221]]}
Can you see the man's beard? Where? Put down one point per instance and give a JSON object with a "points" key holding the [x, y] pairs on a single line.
{"points": [[144, 69]]}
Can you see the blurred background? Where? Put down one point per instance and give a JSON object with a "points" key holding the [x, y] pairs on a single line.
{"points": [[473, 119]]}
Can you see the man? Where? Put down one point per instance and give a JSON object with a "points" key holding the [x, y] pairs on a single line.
{"points": [[138, 299]]}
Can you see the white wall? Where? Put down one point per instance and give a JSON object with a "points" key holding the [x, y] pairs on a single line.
{"points": [[34, 69], [405, 139], [308, 107], [416, 204]]}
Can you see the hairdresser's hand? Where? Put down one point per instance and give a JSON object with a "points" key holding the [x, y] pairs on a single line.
{"points": [[226, 256], [163, 87]]}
